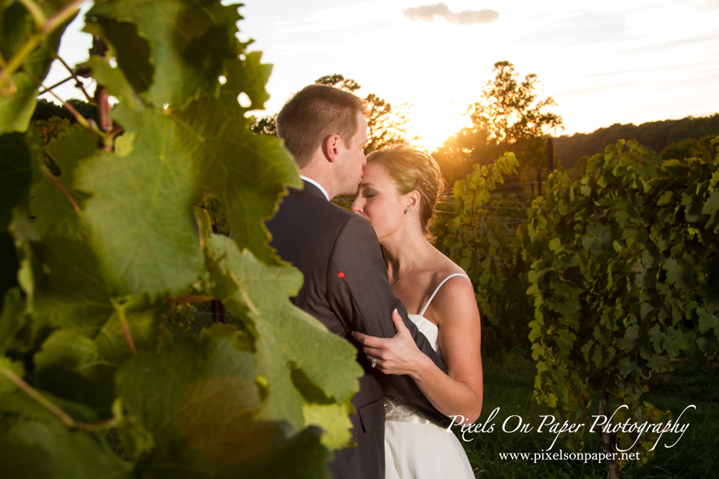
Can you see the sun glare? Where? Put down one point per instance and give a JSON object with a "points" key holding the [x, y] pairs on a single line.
{"points": [[434, 122]]}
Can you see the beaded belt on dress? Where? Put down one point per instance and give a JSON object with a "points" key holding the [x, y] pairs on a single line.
{"points": [[396, 409]]}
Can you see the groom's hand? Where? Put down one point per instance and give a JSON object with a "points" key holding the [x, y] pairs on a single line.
{"points": [[396, 355]]}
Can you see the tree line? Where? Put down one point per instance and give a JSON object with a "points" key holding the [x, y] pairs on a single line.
{"points": [[694, 134]]}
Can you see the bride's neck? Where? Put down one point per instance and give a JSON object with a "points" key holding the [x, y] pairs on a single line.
{"points": [[402, 250]]}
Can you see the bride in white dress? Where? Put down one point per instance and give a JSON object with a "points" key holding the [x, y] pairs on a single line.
{"points": [[399, 189]]}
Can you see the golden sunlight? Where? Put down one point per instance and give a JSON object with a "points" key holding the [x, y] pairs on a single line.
{"points": [[434, 122]]}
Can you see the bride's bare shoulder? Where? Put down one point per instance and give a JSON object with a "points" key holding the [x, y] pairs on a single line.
{"points": [[456, 294], [443, 267]]}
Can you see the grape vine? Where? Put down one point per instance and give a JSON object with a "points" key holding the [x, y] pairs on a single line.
{"points": [[623, 274], [101, 250], [611, 278], [486, 248]]}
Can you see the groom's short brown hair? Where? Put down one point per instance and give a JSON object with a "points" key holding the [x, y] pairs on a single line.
{"points": [[314, 113]]}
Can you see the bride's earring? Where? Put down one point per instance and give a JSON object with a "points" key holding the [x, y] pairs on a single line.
{"points": [[407, 211]]}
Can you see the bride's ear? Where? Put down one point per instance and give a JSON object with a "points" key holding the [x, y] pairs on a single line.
{"points": [[413, 200]]}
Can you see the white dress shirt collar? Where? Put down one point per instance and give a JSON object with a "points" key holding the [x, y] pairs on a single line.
{"points": [[310, 180]]}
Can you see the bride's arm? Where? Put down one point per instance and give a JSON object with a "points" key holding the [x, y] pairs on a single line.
{"points": [[461, 391]]}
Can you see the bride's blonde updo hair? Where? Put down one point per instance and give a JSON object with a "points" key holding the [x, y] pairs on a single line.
{"points": [[411, 170]]}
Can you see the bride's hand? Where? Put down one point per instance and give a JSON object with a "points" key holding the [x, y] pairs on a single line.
{"points": [[396, 355]]}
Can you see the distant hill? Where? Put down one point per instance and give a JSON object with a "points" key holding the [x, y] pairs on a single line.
{"points": [[47, 109], [654, 134]]}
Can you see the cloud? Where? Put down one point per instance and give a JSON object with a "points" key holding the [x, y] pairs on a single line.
{"points": [[427, 13]]}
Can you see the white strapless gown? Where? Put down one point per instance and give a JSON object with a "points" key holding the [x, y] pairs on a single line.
{"points": [[414, 447]]}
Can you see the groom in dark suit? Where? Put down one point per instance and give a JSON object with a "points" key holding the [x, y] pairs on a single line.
{"points": [[346, 285]]}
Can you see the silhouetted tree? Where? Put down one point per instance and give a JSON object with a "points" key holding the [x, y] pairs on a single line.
{"points": [[265, 125], [46, 109], [467, 147], [515, 118], [339, 81], [88, 110], [508, 117], [385, 127]]}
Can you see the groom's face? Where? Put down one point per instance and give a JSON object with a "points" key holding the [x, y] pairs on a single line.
{"points": [[352, 159]]}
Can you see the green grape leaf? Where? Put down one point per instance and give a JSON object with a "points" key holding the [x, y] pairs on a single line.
{"points": [[666, 198], [247, 172], [707, 321], [101, 245], [132, 53], [49, 205], [630, 338], [555, 245], [18, 170], [67, 291], [19, 403], [141, 211], [671, 344], [15, 29], [335, 422], [298, 457], [567, 307], [622, 217], [645, 309], [565, 340], [240, 340], [65, 349], [12, 318], [16, 110], [68, 366], [694, 207], [703, 345], [535, 331], [627, 366], [535, 275], [68, 294], [302, 457], [243, 283], [144, 321], [115, 81], [656, 336], [41, 450], [711, 206], [15, 367], [137, 442], [188, 42], [679, 273], [198, 399], [659, 363]]}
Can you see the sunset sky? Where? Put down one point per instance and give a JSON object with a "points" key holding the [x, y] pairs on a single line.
{"points": [[614, 61]]}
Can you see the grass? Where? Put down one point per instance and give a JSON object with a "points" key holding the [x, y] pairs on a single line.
{"points": [[510, 389]]}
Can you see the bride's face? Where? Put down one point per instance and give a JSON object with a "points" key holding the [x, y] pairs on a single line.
{"points": [[379, 201]]}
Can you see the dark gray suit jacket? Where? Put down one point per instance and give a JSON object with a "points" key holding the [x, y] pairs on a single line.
{"points": [[346, 288]]}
